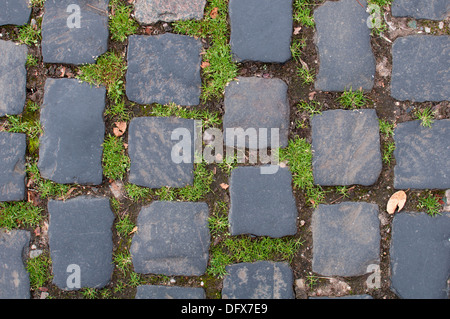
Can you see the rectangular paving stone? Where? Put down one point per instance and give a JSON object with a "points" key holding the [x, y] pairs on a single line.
{"points": [[346, 238], [262, 204], [168, 292], [256, 103], [258, 280], [16, 12], [343, 41], [261, 30], [150, 148], [12, 166], [422, 155], [420, 255], [152, 11], [14, 278], [72, 118], [172, 239], [421, 68], [74, 31], [346, 147], [80, 240], [13, 77], [419, 9], [164, 69]]}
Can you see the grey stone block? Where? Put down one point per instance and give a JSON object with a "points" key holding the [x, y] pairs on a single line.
{"points": [[421, 68], [346, 147], [262, 204], [13, 78], [65, 42], [419, 9], [258, 280], [80, 234], [164, 69], [150, 148], [12, 166], [165, 292], [343, 41], [16, 12], [420, 256], [346, 239], [255, 103], [152, 11], [261, 30], [422, 155], [172, 239], [71, 146], [14, 279]]}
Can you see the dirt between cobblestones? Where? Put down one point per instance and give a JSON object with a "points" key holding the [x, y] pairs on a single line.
{"points": [[386, 107]]}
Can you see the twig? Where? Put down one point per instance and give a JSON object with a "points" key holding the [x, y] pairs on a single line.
{"points": [[360, 4]]}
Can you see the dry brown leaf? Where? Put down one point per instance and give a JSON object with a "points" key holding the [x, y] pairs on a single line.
{"points": [[205, 64], [224, 186], [297, 30], [120, 128], [214, 13], [133, 231], [398, 199]]}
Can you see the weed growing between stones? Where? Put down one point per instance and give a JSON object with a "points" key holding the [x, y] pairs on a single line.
{"points": [[430, 204], [426, 116], [388, 144], [39, 270], [121, 23], [19, 214], [218, 67], [30, 34], [352, 99], [298, 157], [115, 161]]}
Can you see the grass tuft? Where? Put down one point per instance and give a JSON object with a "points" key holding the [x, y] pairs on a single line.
{"points": [[115, 161], [14, 215]]}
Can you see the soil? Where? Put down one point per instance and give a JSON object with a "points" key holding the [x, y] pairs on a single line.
{"points": [[387, 108]]}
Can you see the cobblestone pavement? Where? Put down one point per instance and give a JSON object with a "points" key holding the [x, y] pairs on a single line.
{"points": [[163, 229]]}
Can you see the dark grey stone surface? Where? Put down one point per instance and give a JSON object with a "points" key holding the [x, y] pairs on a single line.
{"points": [[419, 9], [421, 68], [258, 280], [262, 204], [422, 155], [164, 69], [14, 279], [12, 166], [150, 147], [168, 292], [261, 30], [346, 238], [346, 147], [63, 44], [152, 11], [72, 118], [15, 12], [172, 239], [343, 41], [254, 103], [420, 256], [80, 234], [13, 77]]}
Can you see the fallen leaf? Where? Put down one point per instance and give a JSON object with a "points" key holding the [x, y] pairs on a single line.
{"points": [[214, 13], [120, 128], [205, 64], [311, 95], [398, 199], [224, 186], [297, 30], [134, 230]]}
